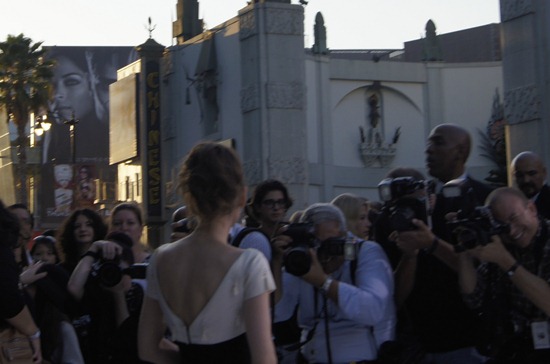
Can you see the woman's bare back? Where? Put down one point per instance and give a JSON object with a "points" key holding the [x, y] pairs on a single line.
{"points": [[190, 273]]}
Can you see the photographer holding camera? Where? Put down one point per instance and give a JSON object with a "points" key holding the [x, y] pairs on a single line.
{"points": [[405, 196], [444, 329], [514, 271], [109, 302], [342, 287]]}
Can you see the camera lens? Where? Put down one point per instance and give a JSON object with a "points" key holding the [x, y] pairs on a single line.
{"points": [[109, 274], [297, 260]]}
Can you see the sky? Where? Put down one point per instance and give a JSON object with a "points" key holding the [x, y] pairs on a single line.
{"points": [[351, 24]]}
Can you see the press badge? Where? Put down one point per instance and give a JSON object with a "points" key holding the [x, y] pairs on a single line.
{"points": [[541, 334]]}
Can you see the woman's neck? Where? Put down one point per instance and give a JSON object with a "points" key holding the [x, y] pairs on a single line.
{"points": [[215, 229]]}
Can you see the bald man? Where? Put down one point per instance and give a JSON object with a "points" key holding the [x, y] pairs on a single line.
{"points": [[514, 275], [426, 277], [529, 175]]}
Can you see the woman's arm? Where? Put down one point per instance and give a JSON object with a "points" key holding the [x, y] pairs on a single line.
{"points": [[151, 332], [25, 324], [79, 277], [258, 329], [121, 307], [100, 248]]}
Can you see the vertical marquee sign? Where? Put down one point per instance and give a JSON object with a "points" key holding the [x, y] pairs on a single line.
{"points": [[152, 133]]}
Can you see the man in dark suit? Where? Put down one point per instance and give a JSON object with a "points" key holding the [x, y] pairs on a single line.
{"points": [[427, 274], [529, 174]]}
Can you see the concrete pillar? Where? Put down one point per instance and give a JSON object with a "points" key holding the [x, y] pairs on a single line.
{"points": [[273, 95]]}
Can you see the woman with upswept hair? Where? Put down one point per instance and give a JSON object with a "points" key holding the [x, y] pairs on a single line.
{"points": [[213, 297]]}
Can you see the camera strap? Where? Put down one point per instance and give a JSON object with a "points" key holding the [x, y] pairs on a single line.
{"points": [[353, 263], [236, 241], [311, 332]]}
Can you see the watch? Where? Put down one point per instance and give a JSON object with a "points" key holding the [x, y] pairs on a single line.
{"points": [[433, 247], [512, 270], [90, 253], [326, 286]]}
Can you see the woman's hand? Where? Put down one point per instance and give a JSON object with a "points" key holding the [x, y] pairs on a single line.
{"points": [[108, 249], [30, 275], [37, 350]]}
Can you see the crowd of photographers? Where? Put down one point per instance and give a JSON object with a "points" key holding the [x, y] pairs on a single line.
{"points": [[445, 270]]}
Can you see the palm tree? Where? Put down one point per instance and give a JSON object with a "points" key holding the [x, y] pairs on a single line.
{"points": [[25, 84]]}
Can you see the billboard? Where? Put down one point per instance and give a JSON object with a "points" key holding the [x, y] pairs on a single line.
{"points": [[123, 136], [80, 101]]}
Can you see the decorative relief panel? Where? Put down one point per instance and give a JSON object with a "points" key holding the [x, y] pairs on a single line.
{"points": [[285, 21], [285, 95], [247, 22], [510, 9], [288, 170], [522, 104], [252, 171], [250, 98]]}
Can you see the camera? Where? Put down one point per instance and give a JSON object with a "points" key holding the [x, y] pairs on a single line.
{"points": [[475, 229], [108, 273], [399, 206], [335, 247], [390, 189], [297, 260]]}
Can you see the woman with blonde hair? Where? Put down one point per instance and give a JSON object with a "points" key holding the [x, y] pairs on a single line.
{"points": [[356, 212]]}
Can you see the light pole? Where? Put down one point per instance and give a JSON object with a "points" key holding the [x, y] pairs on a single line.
{"points": [[42, 125], [72, 134]]}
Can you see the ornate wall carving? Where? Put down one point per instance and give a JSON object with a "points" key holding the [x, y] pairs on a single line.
{"points": [[285, 95], [248, 25], [285, 21], [252, 171], [522, 104], [288, 170], [510, 9], [250, 98]]}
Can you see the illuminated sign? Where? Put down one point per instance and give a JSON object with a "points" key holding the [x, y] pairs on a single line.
{"points": [[152, 133]]}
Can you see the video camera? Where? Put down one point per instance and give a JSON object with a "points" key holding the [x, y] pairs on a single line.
{"points": [[399, 204], [297, 260], [108, 273]]}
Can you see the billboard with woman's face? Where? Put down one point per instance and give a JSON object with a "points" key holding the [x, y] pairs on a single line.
{"points": [[82, 76], [80, 98]]}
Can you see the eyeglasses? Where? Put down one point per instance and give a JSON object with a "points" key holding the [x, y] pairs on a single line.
{"points": [[271, 203], [531, 173]]}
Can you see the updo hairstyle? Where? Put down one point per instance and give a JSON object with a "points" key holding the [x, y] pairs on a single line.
{"points": [[211, 180]]}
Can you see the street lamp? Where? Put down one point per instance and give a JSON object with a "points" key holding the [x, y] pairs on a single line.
{"points": [[72, 130], [42, 125]]}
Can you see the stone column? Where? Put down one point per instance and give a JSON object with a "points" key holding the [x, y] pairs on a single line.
{"points": [[273, 95], [525, 49]]}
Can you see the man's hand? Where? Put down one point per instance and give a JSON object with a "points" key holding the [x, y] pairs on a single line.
{"points": [[278, 246], [411, 241], [494, 252], [316, 276]]}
